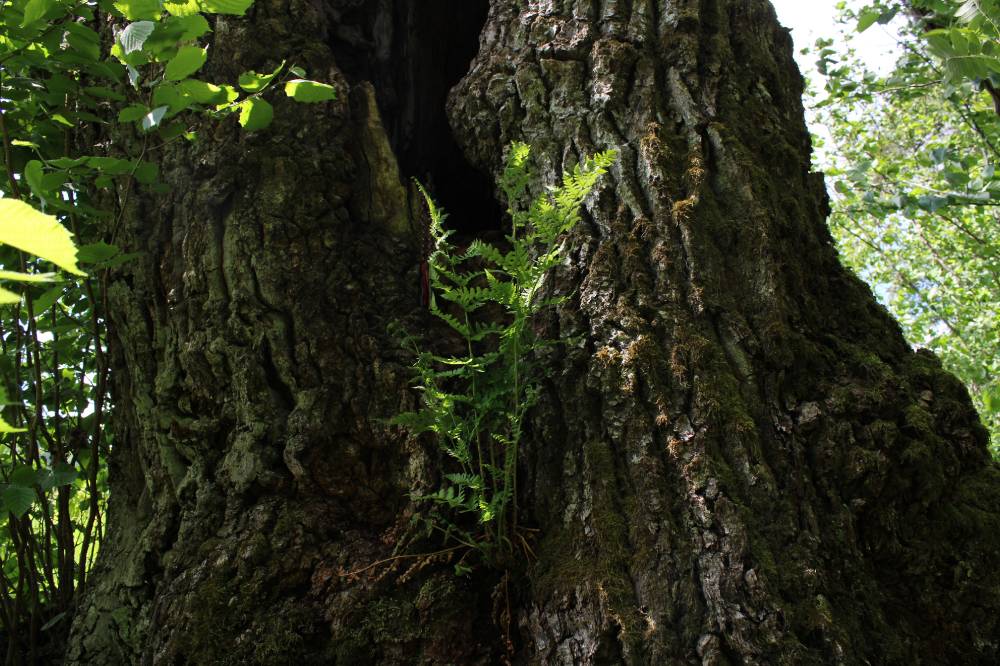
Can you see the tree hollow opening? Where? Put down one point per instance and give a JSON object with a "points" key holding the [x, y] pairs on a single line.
{"points": [[414, 52]]}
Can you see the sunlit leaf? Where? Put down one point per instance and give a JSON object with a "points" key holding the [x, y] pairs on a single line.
{"points": [[253, 82], [135, 35], [138, 10], [182, 7], [967, 11], [153, 118], [302, 90], [189, 59], [238, 7], [255, 114], [36, 233], [27, 277], [8, 297], [133, 76], [203, 92]]}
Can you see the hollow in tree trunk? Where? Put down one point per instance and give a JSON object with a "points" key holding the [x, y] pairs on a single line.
{"points": [[737, 457]]}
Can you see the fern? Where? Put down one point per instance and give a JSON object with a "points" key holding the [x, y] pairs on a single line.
{"points": [[475, 405]]}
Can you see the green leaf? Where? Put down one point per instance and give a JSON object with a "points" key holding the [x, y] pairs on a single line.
{"points": [[939, 40], [8, 428], [193, 26], [24, 475], [83, 40], [253, 82], [968, 11], [33, 173], [171, 96], [237, 7], [53, 182], [182, 7], [27, 277], [46, 480], [111, 166], [35, 10], [48, 299], [4, 426], [255, 114], [63, 474], [18, 499], [232, 94], [867, 18], [146, 173], [302, 90], [135, 35], [59, 617], [68, 163], [960, 42], [8, 297], [188, 60], [138, 10], [172, 131], [203, 92], [95, 253], [132, 113], [153, 118], [36, 233], [120, 259]]}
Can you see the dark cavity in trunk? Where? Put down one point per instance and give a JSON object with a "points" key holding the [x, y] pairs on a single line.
{"points": [[414, 52]]}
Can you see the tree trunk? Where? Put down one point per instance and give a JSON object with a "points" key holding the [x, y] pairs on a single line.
{"points": [[737, 458]]}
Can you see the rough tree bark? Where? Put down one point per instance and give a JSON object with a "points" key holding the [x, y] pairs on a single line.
{"points": [[738, 458]]}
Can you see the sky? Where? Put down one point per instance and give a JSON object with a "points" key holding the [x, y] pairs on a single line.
{"points": [[809, 19]]}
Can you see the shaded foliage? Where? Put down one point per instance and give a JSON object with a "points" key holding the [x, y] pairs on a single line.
{"points": [[912, 156], [62, 77]]}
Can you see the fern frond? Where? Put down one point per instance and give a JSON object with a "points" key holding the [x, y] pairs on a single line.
{"points": [[449, 319], [475, 404], [473, 481], [480, 249]]}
